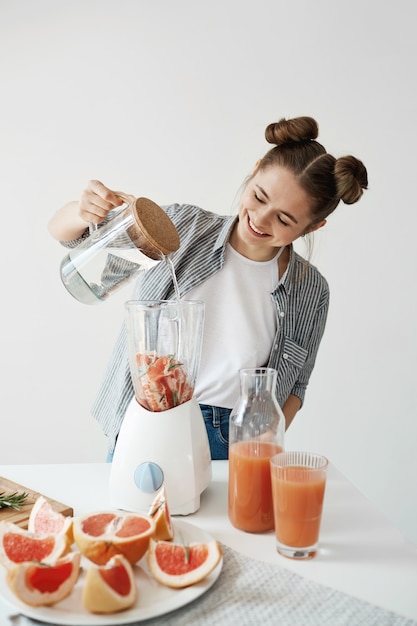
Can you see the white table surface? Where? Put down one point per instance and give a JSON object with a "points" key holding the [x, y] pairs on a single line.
{"points": [[361, 552]]}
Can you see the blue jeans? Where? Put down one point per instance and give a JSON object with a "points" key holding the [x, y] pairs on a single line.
{"points": [[216, 419]]}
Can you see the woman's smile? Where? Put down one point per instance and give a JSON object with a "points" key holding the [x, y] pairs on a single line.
{"points": [[255, 229], [274, 211]]}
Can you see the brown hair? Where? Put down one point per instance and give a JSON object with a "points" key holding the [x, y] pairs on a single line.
{"points": [[325, 179]]}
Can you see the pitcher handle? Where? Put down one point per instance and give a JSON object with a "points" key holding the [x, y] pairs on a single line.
{"points": [[127, 199]]}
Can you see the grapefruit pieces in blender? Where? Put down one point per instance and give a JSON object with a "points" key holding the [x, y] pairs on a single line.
{"points": [[44, 520], [159, 512], [110, 588], [100, 536], [178, 565], [162, 381], [18, 545], [41, 584]]}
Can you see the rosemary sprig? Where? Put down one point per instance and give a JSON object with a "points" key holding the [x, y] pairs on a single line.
{"points": [[186, 554], [12, 500], [173, 363], [186, 549]]}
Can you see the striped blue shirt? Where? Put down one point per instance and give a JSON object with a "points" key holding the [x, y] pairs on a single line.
{"points": [[301, 300]]}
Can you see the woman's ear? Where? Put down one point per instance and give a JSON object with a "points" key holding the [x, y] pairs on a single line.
{"points": [[316, 227]]}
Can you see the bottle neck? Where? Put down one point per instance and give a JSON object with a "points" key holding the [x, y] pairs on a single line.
{"points": [[256, 381]]}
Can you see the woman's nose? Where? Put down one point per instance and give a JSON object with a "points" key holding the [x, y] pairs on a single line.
{"points": [[263, 216]]}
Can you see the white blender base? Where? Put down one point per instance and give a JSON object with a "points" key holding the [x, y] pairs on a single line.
{"points": [[167, 448]]}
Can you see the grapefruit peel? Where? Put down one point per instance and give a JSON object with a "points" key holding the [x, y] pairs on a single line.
{"points": [[41, 584], [18, 545], [102, 535], [181, 565], [159, 512], [44, 520], [110, 588]]}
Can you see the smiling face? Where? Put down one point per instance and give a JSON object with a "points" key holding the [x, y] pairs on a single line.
{"points": [[273, 212]]}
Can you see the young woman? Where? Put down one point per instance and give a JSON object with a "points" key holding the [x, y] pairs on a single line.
{"points": [[265, 304]]}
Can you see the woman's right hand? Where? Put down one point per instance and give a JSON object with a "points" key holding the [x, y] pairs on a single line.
{"points": [[71, 220], [97, 201]]}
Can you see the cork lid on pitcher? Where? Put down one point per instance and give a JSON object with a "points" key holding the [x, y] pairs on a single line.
{"points": [[153, 231]]}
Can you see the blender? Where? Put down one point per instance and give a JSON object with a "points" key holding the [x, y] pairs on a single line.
{"points": [[163, 440]]}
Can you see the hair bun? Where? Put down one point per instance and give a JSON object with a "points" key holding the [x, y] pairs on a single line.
{"points": [[293, 130], [351, 178]]}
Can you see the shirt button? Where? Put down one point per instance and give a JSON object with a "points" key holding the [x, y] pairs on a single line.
{"points": [[285, 355], [281, 313]]}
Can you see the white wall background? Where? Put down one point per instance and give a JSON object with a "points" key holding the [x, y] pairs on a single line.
{"points": [[170, 100]]}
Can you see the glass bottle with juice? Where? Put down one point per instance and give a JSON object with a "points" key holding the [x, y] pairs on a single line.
{"points": [[257, 427]]}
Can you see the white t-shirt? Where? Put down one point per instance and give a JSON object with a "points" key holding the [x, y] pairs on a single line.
{"points": [[239, 327]]}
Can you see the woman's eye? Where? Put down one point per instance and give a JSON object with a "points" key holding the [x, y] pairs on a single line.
{"points": [[258, 198], [283, 222]]}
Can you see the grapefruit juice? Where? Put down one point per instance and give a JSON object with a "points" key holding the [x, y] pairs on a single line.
{"points": [[250, 491], [298, 494]]}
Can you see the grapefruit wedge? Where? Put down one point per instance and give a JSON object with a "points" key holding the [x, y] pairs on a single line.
{"points": [[100, 536], [110, 588], [44, 520], [18, 545], [178, 565], [159, 512], [162, 381], [41, 584]]}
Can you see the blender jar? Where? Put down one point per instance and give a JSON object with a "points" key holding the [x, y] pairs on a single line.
{"points": [[164, 339]]}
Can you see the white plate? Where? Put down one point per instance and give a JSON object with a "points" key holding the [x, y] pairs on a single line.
{"points": [[153, 600]]}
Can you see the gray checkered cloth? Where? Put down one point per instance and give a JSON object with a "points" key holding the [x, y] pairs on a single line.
{"points": [[251, 593]]}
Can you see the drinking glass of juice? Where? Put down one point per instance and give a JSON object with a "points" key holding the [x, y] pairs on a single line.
{"points": [[298, 485]]}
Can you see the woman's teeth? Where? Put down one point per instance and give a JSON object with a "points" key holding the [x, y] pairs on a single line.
{"points": [[256, 230]]}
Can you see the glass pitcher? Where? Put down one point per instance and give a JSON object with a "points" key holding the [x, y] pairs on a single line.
{"points": [[256, 433], [138, 237]]}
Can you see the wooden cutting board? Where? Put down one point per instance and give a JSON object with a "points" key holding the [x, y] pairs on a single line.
{"points": [[21, 517]]}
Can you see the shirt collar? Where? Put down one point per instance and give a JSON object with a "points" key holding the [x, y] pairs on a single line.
{"points": [[297, 266], [225, 232]]}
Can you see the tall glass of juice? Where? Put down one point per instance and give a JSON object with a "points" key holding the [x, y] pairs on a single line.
{"points": [[256, 434], [298, 486]]}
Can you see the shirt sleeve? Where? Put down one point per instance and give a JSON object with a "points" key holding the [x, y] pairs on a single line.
{"points": [[318, 327]]}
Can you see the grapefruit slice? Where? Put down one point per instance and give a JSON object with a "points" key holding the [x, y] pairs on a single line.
{"points": [[18, 545], [44, 520], [111, 587], [159, 512], [162, 381], [41, 584], [177, 565], [100, 536]]}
